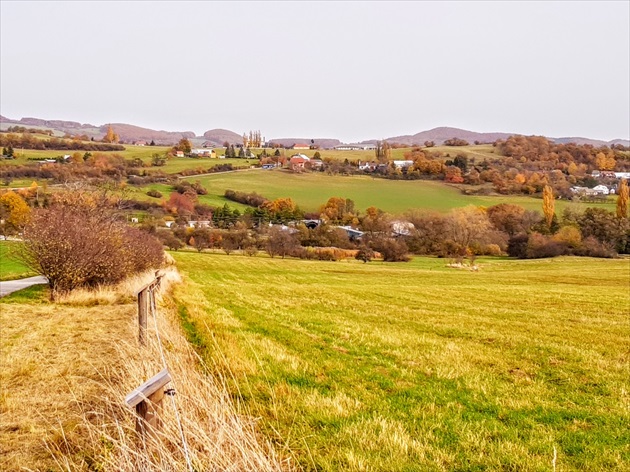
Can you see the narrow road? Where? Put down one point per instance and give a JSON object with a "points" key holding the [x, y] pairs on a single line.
{"points": [[10, 286]]}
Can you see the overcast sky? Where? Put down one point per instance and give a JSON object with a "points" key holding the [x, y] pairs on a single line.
{"points": [[353, 71]]}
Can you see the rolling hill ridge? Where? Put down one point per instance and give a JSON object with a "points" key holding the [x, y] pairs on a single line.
{"points": [[129, 133]]}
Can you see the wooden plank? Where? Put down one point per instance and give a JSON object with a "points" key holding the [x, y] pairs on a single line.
{"points": [[149, 410], [144, 391], [152, 284]]}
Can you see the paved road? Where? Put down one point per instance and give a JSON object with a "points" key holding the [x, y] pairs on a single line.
{"points": [[10, 286]]}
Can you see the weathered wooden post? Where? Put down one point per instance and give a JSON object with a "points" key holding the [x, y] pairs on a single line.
{"points": [[147, 400], [146, 302], [143, 309]]}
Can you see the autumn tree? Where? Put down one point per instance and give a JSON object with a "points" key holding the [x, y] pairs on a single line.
{"points": [[338, 210], [14, 213], [180, 204], [184, 146], [548, 205], [365, 254], [622, 199], [512, 219], [604, 226], [465, 226], [110, 136], [453, 174], [280, 242], [281, 209], [605, 161], [375, 221], [383, 151]]}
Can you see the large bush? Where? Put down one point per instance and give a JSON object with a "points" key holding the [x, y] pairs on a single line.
{"points": [[84, 245]]}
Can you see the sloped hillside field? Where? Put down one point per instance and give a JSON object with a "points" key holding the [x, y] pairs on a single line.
{"points": [[522, 365]]}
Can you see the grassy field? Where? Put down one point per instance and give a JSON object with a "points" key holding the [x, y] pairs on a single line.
{"points": [[66, 369], [419, 367], [311, 190], [11, 268], [145, 153]]}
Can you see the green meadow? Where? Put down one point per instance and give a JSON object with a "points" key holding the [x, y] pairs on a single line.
{"points": [[311, 190], [522, 365]]}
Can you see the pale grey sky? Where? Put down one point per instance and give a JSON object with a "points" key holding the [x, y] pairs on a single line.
{"points": [[347, 70]]}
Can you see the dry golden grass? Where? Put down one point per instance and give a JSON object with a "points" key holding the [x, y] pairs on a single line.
{"points": [[66, 369]]}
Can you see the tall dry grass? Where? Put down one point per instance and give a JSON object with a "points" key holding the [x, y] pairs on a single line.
{"points": [[81, 421]]}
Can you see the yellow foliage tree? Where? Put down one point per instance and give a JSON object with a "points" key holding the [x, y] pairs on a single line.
{"points": [[14, 213], [605, 162], [111, 137], [569, 235], [548, 204], [622, 199]]}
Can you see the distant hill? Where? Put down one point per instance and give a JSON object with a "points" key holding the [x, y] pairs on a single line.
{"points": [[127, 133], [592, 142], [131, 133], [59, 127], [321, 142], [439, 135], [220, 136]]}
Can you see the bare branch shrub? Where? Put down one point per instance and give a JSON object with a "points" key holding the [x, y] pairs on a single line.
{"points": [[84, 245]]}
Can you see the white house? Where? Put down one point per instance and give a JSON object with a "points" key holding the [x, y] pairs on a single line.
{"points": [[198, 224], [203, 152], [402, 164], [402, 228], [601, 190]]}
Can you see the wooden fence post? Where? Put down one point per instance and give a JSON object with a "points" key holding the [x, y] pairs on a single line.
{"points": [[143, 308], [146, 299], [147, 400]]}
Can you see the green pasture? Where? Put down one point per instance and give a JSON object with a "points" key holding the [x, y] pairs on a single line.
{"points": [[10, 267], [311, 190], [145, 153], [521, 365], [179, 164], [140, 193]]}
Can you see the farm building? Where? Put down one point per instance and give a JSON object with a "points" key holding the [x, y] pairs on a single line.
{"points": [[352, 233], [298, 162], [203, 153], [403, 164], [355, 147], [316, 163]]}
